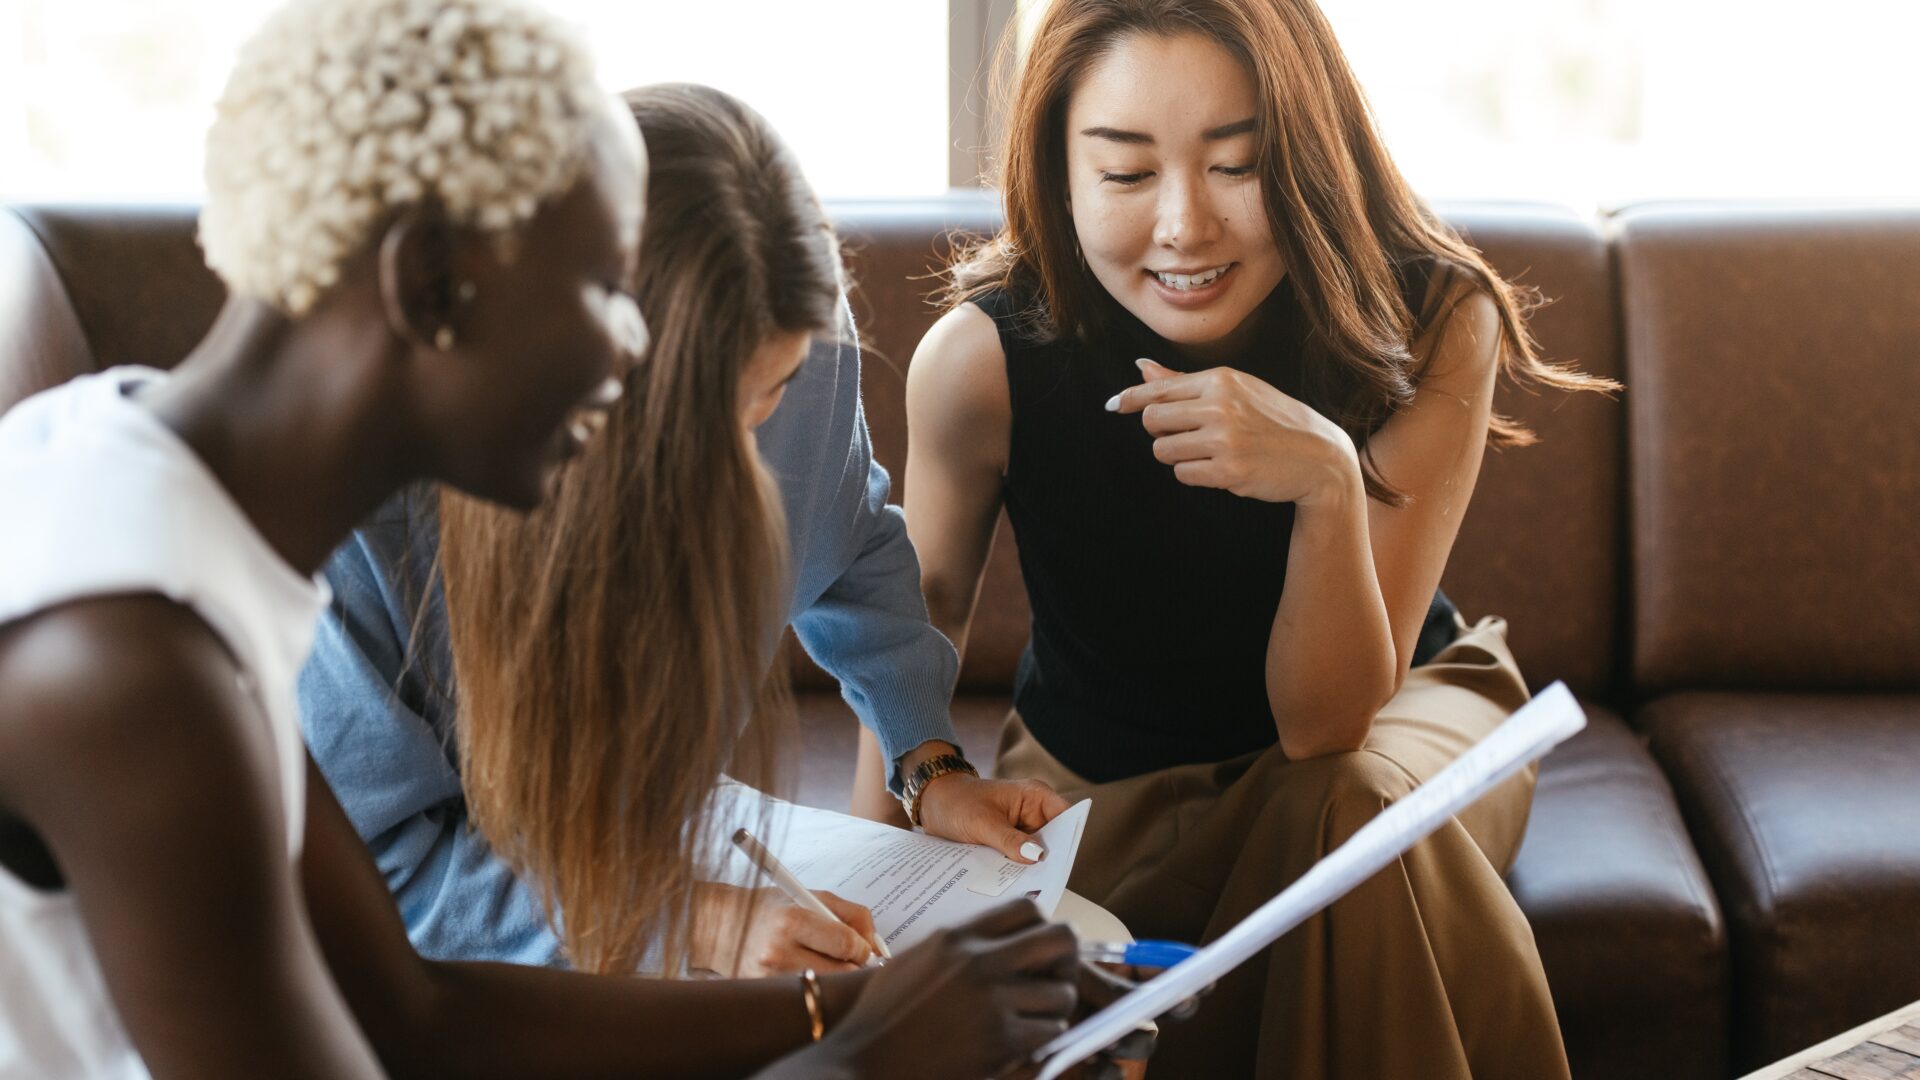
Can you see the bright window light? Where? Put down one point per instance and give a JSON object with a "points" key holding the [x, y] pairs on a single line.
{"points": [[112, 98], [1602, 102], [1592, 103]]}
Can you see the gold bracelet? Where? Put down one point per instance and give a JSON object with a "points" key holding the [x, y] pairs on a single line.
{"points": [[810, 993]]}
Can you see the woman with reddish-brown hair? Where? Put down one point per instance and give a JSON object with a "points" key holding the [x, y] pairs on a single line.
{"points": [[1231, 380]]}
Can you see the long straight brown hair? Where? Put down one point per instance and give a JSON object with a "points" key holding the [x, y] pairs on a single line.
{"points": [[1344, 220], [613, 650]]}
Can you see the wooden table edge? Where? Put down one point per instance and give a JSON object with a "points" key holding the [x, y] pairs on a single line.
{"points": [[1838, 1044]]}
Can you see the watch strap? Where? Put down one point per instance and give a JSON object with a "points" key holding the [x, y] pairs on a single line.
{"points": [[925, 773]]}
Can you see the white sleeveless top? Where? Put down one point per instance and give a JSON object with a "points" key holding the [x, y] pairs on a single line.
{"points": [[101, 498]]}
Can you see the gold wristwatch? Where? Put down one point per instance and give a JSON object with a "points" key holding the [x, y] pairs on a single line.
{"points": [[924, 774]]}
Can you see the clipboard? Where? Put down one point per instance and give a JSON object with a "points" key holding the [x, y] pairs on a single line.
{"points": [[1543, 723]]}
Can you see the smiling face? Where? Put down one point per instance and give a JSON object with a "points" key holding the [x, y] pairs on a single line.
{"points": [[1160, 151], [547, 339]]}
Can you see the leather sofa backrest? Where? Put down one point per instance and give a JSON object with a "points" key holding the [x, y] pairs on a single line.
{"points": [[1542, 543], [133, 276], [1774, 360], [1772, 544], [41, 340], [1539, 547], [894, 253]]}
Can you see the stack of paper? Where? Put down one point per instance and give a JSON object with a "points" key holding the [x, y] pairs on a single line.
{"points": [[914, 884]]}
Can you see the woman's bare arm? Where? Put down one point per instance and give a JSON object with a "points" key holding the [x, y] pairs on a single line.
{"points": [[452, 1019], [130, 750], [959, 422], [1356, 560], [1432, 451]]}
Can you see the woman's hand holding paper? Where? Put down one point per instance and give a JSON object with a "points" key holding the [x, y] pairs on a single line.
{"points": [[1000, 814]]}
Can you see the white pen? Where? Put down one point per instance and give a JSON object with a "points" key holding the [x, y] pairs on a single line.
{"points": [[796, 892]]}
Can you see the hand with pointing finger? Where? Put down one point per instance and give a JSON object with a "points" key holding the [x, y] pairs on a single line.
{"points": [[1225, 429]]}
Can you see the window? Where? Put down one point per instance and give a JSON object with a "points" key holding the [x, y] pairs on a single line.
{"points": [[1601, 102], [1586, 102], [112, 98]]}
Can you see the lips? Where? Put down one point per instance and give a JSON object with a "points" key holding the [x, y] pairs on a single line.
{"points": [[1191, 287], [1186, 281]]}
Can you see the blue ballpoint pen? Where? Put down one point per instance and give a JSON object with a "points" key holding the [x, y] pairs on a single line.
{"points": [[1149, 954]]}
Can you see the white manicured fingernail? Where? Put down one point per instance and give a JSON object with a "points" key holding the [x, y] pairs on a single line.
{"points": [[1142, 363], [1033, 851], [1113, 403]]}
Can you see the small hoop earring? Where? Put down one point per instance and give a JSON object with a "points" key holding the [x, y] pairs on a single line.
{"points": [[443, 338]]}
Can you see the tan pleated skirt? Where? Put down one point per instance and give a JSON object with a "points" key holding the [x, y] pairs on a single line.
{"points": [[1427, 971]]}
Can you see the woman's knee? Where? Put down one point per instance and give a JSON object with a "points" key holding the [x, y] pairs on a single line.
{"points": [[1360, 785], [1340, 791]]}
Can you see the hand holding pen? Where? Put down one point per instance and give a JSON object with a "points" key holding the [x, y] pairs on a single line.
{"points": [[1137, 954], [1108, 971], [854, 917]]}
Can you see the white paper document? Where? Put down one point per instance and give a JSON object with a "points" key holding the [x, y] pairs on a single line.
{"points": [[1536, 728], [913, 883]]}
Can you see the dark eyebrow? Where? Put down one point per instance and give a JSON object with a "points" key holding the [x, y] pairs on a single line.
{"points": [[1133, 138], [1228, 131], [1137, 138]]}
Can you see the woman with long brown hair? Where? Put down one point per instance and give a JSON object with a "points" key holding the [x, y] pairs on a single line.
{"points": [[613, 652], [1232, 381]]}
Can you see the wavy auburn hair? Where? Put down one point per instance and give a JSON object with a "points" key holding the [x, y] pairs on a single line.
{"points": [[613, 650], [1344, 220]]}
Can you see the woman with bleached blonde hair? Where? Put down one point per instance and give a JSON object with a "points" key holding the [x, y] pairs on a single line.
{"points": [[428, 217]]}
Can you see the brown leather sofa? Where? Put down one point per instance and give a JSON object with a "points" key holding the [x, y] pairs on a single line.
{"points": [[1723, 565]]}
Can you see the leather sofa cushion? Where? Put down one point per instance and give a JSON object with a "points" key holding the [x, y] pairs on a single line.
{"points": [[1626, 921], [1774, 367], [1805, 809]]}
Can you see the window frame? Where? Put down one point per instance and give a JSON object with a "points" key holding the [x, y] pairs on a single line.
{"points": [[974, 31]]}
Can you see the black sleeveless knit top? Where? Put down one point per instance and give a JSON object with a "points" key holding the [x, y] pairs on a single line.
{"points": [[1152, 601]]}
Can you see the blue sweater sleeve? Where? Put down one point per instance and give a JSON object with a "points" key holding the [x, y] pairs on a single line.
{"points": [[869, 627], [369, 712]]}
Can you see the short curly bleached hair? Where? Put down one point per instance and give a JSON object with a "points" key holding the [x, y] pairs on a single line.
{"points": [[339, 112]]}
